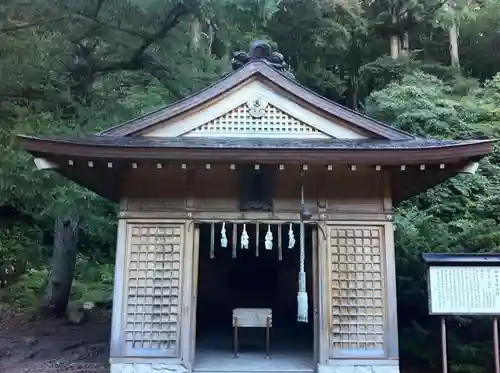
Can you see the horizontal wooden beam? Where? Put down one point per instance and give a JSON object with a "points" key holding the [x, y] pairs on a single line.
{"points": [[242, 217], [44, 163]]}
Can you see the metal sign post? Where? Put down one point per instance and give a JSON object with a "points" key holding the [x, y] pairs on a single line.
{"points": [[495, 345], [464, 285], [444, 354]]}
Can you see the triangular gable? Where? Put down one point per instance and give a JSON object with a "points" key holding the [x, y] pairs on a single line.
{"points": [[281, 92], [252, 109], [259, 119]]}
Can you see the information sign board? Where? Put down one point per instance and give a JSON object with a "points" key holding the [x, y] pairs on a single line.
{"points": [[464, 290]]}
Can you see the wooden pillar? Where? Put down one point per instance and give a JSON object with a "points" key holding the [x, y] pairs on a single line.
{"points": [[189, 294], [391, 329], [118, 290], [324, 309]]}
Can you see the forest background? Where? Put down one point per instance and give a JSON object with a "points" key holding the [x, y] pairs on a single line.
{"points": [[77, 66]]}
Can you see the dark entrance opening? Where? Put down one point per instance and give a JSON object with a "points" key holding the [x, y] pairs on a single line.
{"points": [[251, 280]]}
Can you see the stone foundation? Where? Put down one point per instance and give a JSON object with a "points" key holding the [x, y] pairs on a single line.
{"points": [[147, 368], [358, 368]]}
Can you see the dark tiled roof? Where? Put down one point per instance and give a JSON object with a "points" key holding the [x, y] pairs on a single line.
{"points": [[255, 143]]}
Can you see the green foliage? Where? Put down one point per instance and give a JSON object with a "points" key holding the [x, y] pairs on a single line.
{"points": [[479, 38], [420, 104], [20, 241], [27, 292], [93, 282], [461, 215]]}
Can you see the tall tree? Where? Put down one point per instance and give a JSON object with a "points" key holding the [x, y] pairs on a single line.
{"points": [[453, 32]]}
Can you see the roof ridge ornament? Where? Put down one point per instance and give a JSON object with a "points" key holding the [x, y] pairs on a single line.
{"points": [[261, 50]]}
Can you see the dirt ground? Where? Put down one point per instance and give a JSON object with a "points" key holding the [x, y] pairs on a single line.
{"points": [[50, 346]]}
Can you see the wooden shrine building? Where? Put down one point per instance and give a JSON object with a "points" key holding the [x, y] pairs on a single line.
{"points": [[214, 235]]}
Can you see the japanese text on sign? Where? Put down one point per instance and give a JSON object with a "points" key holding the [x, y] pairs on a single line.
{"points": [[462, 290]]}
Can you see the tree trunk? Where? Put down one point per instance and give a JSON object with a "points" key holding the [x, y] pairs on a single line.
{"points": [[353, 91], [455, 59], [63, 263], [405, 49], [405, 42], [395, 43], [196, 34], [210, 41], [453, 34], [405, 37], [425, 43]]}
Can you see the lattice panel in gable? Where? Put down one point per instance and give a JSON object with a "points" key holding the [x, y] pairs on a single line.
{"points": [[153, 289], [273, 123], [357, 290]]}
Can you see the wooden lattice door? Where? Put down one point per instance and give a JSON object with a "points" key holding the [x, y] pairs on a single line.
{"points": [[153, 289]]}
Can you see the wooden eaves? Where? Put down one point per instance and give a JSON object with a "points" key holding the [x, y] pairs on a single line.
{"points": [[261, 150]]}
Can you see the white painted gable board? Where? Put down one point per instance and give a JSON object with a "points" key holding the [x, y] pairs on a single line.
{"points": [[230, 117]]}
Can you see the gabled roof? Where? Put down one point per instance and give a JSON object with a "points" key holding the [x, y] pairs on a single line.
{"points": [[382, 152], [260, 69], [71, 157]]}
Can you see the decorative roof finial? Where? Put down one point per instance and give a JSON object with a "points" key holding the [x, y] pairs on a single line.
{"points": [[261, 50]]}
